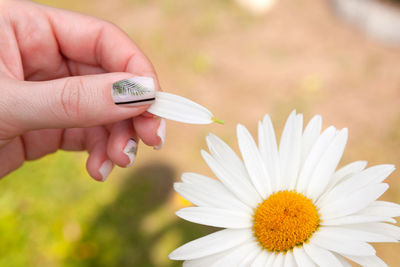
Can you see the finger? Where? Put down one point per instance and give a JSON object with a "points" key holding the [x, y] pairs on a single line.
{"points": [[80, 101], [11, 156], [122, 144], [34, 145], [98, 164], [151, 130]]}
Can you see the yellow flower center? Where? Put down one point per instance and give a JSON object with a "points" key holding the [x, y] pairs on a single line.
{"points": [[284, 220]]}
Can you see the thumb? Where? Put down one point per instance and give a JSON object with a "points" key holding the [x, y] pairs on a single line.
{"points": [[79, 101]]}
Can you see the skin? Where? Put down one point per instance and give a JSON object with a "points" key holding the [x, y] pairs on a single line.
{"points": [[56, 72]]}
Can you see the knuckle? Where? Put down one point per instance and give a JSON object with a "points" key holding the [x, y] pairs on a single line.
{"points": [[70, 98]]}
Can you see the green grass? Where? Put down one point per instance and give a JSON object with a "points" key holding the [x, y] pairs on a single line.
{"points": [[53, 214]]}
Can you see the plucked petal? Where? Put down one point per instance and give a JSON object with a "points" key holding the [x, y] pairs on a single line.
{"points": [[178, 108], [211, 244]]}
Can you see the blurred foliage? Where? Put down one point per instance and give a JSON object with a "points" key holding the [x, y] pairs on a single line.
{"points": [[52, 214]]}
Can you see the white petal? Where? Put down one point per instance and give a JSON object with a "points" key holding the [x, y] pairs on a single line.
{"points": [[211, 244], [328, 240], [354, 219], [251, 256], [302, 258], [381, 208], [253, 162], [314, 157], [206, 261], [370, 261], [310, 136], [290, 151], [349, 204], [261, 259], [279, 260], [342, 260], [372, 175], [178, 108], [236, 185], [379, 228], [289, 260], [346, 172], [227, 157], [327, 165], [320, 256], [353, 233], [235, 256], [269, 150], [207, 192], [216, 217], [270, 260]]}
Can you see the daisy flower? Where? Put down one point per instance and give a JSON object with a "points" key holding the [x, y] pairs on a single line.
{"points": [[288, 206]]}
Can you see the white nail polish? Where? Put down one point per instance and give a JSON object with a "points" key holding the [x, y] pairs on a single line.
{"points": [[161, 132], [130, 150], [105, 169], [135, 91]]}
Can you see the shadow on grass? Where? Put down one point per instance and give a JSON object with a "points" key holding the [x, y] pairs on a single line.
{"points": [[121, 236]]}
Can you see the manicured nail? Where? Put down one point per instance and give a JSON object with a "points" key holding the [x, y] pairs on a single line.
{"points": [[130, 150], [135, 91], [105, 169], [161, 132]]}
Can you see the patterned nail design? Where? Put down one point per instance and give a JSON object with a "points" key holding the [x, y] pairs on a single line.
{"points": [[130, 150], [161, 133], [135, 91]]}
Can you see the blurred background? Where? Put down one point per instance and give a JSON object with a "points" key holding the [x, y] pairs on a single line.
{"points": [[241, 59]]}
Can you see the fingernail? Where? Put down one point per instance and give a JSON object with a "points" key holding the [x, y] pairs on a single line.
{"points": [[161, 132], [105, 169], [130, 150], [136, 91]]}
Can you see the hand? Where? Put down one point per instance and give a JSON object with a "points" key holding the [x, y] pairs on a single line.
{"points": [[57, 69]]}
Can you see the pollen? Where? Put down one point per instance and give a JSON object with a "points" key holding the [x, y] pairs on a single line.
{"points": [[284, 220]]}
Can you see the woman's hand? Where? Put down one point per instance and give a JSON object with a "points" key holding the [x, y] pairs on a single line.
{"points": [[57, 69]]}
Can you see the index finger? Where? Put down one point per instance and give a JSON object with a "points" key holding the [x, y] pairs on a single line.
{"points": [[93, 41]]}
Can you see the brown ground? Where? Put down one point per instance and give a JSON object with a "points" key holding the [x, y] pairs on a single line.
{"points": [[299, 56]]}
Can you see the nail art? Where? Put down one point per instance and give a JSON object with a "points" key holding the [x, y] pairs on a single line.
{"points": [[105, 169], [161, 133], [135, 91], [130, 150]]}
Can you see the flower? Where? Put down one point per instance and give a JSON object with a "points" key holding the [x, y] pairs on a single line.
{"points": [[287, 206], [178, 108]]}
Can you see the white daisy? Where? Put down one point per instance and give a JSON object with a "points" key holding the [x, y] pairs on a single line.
{"points": [[287, 206]]}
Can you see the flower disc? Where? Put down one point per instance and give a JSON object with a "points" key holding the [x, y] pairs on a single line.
{"points": [[284, 220]]}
